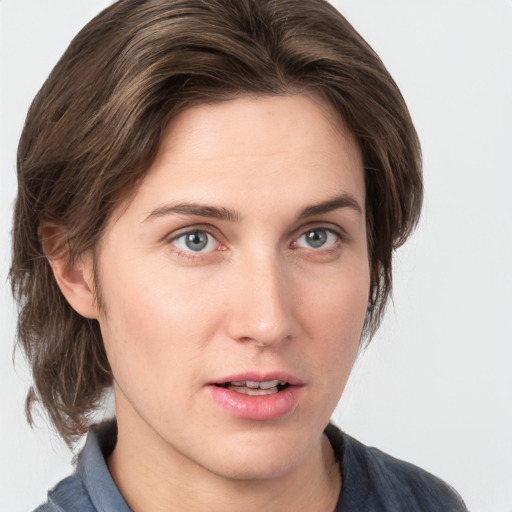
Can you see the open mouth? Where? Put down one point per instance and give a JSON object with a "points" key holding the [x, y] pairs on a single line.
{"points": [[254, 388], [256, 396]]}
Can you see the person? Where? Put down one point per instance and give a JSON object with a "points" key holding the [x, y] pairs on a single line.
{"points": [[209, 197]]}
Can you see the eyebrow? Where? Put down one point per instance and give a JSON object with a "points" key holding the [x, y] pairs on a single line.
{"points": [[341, 201], [228, 214], [199, 210]]}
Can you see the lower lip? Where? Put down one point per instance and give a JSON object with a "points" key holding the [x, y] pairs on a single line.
{"points": [[259, 407]]}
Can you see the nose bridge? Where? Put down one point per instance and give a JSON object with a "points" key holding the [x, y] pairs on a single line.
{"points": [[261, 306]]}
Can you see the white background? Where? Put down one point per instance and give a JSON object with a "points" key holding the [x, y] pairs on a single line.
{"points": [[435, 386]]}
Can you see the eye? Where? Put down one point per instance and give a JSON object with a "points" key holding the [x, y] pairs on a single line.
{"points": [[197, 241], [317, 238]]}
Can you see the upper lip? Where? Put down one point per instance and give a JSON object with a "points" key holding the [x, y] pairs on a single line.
{"points": [[256, 376]]}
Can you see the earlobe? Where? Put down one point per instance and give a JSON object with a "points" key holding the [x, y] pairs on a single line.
{"points": [[75, 278]]}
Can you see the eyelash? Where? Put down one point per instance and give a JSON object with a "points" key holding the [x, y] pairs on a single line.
{"points": [[190, 254]]}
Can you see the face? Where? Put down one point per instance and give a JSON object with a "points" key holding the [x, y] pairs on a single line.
{"points": [[235, 285]]}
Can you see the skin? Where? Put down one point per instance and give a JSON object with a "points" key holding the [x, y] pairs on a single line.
{"points": [[258, 297]]}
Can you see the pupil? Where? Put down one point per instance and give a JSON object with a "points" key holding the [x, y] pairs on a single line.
{"points": [[196, 241], [316, 238]]}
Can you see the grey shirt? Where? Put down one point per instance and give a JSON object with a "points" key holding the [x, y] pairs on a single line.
{"points": [[372, 480]]}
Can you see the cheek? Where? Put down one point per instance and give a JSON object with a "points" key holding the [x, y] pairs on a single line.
{"points": [[151, 318], [338, 300], [150, 297], [333, 316]]}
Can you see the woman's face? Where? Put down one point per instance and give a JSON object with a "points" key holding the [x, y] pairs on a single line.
{"points": [[235, 286]]}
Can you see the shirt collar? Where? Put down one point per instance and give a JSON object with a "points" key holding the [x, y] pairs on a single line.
{"points": [[93, 470]]}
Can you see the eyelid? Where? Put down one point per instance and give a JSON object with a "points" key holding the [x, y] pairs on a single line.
{"points": [[206, 228], [328, 226]]}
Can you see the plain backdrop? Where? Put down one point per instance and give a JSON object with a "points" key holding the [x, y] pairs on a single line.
{"points": [[435, 386]]}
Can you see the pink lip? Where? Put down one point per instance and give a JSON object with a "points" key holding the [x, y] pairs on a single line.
{"points": [[262, 407], [260, 377]]}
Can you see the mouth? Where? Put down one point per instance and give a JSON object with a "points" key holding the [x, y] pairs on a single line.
{"points": [[255, 388], [257, 396]]}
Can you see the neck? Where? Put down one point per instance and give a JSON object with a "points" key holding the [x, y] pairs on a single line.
{"points": [[152, 475]]}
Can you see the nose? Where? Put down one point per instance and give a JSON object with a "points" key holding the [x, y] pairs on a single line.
{"points": [[261, 302]]}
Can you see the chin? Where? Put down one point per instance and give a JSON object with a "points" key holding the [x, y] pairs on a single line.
{"points": [[259, 457], [262, 468]]}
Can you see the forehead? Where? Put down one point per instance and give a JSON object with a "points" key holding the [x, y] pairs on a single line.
{"points": [[230, 128], [240, 151]]}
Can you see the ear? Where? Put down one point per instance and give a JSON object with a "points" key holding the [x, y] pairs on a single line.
{"points": [[74, 278]]}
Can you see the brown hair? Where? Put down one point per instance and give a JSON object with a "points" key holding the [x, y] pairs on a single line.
{"points": [[95, 126]]}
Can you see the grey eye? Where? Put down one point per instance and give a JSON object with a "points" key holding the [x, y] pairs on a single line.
{"points": [[196, 240], [316, 238]]}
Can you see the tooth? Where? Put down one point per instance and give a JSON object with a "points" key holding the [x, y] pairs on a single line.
{"points": [[269, 384], [252, 384], [257, 392]]}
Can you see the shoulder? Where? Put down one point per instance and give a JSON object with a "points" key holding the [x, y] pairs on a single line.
{"points": [[68, 495], [90, 488], [377, 481]]}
